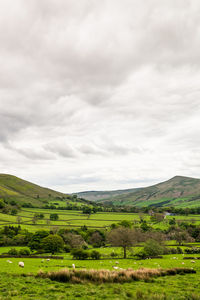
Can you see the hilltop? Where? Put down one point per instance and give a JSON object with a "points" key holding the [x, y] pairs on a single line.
{"points": [[24, 192], [178, 191]]}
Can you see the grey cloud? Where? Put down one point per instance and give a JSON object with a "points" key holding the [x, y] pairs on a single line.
{"points": [[91, 82], [63, 150]]}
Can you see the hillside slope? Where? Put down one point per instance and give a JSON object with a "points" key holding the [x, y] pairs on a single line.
{"points": [[22, 191], [100, 195], [178, 191]]}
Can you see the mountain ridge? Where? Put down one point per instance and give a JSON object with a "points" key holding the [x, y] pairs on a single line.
{"points": [[177, 191]]}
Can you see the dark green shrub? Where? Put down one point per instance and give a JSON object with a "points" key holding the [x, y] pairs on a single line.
{"points": [[113, 254], [79, 254], [95, 254], [179, 250], [24, 252], [13, 251], [152, 248], [67, 248], [173, 251], [193, 250]]}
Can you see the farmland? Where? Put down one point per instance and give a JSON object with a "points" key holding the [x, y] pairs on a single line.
{"points": [[76, 219], [29, 287], [21, 283]]}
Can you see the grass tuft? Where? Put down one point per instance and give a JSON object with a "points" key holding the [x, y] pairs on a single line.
{"points": [[106, 276]]}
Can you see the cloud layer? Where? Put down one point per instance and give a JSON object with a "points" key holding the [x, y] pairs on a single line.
{"points": [[99, 94]]}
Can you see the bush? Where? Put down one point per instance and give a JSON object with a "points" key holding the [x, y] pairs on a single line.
{"points": [[79, 254], [95, 254], [193, 250], [113, 254], [179, 250], [153, 248], [67, 248], [13, 251], [173, 251], [52, 243], [24, 252]]}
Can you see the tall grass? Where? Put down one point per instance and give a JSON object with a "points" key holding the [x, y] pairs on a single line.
{"points": [[107, 276]]}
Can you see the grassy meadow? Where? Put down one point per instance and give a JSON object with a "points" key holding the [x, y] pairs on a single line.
{"points": [[20, 283], [76, 219]]}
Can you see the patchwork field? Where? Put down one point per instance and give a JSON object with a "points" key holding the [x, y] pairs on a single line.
{"points": [[76, 219]]}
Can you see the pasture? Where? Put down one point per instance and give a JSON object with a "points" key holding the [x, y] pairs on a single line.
{"points": [[76, 219], [19, 283]]}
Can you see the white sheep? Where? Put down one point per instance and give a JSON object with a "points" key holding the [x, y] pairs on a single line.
{"points": [[116, 262], [116, 268], [48, 259], [73, 266], [192, 261], [21, 264], [9, 261]]}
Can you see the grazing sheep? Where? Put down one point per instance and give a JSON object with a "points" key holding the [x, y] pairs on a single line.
{"points": [[21, 264], [116, 268], [48, 259], [73, 266], [192, 261], [183, 263], [116, 262], [9, 261]]}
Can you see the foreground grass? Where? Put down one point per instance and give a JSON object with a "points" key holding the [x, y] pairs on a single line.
{"points": [[179, 287], [14, 285], [106, 276]]}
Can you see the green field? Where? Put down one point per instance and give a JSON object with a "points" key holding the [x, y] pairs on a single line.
{"points": [[14, 285], [76, 219]]}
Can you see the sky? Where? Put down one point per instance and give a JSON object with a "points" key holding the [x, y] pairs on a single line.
{"points": [[99, 95]]}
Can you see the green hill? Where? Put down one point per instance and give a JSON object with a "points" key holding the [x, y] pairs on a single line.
{"points": [[100, 195], [178, 191], [22, 191]]}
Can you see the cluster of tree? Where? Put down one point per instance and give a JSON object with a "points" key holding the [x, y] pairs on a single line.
{"points": [[9, 206], [123, 234]]}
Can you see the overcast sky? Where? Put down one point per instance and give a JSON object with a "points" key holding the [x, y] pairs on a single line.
{"points": [[99, 95]]}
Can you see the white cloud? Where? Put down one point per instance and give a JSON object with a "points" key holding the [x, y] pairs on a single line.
{"points": [[99, 94]]}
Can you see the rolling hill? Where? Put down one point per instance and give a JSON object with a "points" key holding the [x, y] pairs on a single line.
{"points": [[22, 191], [178, 191]]}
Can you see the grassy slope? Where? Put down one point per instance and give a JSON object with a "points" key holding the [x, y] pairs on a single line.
{"points": [[99, 195], [21, 191], [178, 191]]}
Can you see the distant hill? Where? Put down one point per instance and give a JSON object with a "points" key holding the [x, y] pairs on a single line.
{"points": [[178, 191], [100, 195], [22, 191]]}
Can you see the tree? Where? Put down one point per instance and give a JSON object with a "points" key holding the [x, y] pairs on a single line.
{"points": [[54, 217], [74, 240], [95, 254], [80, 254], [125, 223], [87, 210], [122, 237], [35, 242], [157, 217], [52, 243], [2, 204], [18, 219], [96, 239], [153, 248]]}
